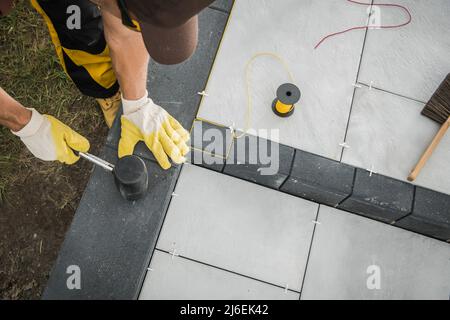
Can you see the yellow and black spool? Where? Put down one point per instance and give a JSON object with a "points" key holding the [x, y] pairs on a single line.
{"points": [[288, 95]]}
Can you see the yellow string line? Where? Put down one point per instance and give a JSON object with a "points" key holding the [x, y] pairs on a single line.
{"points": [[247, 80]]}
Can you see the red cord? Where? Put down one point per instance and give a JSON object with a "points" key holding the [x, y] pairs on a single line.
{"points": [[367, 27]]}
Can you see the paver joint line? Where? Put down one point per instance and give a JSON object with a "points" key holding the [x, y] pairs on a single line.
{"points": [[309, 250], [356, 85], [365, 85], [291, 167], [228, 271], [413, 204]]}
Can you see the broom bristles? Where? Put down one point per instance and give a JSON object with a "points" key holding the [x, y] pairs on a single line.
{"points": [[438, 108]]}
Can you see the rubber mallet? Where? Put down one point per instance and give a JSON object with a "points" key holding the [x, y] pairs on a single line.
{"points": [[130, 174]]}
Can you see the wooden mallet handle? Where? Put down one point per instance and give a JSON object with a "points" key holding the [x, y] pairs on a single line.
{"points": [[426, 156]]}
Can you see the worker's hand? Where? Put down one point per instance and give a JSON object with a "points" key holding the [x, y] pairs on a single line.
{"points": [[143, 120], [49, 139]]}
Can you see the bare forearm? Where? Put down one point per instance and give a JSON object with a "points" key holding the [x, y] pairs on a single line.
{"points": [[129, 55], [12, 114]]}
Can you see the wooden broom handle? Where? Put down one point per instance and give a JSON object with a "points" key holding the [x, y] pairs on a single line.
{"points": [[426, 156]]}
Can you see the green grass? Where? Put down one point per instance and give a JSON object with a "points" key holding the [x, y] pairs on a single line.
{"points": [[30, 72]]}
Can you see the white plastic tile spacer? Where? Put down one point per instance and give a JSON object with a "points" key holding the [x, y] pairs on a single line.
{"points": [[175, 194], [174, 254], [344, 145], [286, 289], [371, 171], [356, 85], [316, 222], [371, 85], [150, 269], [203, 94], [232, 128]]}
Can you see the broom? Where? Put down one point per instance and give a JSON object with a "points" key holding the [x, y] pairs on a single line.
{"points": [[437, 109]]}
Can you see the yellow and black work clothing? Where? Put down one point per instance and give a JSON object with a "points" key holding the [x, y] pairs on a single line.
{"points": [[82, 51]]}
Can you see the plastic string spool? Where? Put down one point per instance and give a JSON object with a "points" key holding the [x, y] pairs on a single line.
{"points": [[288, 95]]}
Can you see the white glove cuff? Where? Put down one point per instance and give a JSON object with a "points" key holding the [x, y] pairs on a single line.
{"points": [[32, 127], [131, 106]]}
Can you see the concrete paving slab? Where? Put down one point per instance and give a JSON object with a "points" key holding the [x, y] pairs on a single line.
{"points": [[239, 226], [388, 134], [259, 160], [357, 258], [110, 239], [291, 29], [430, 216], [379, 197], [181, 279], [210, 145], [319, 179], [411, 61], [224, 5]]}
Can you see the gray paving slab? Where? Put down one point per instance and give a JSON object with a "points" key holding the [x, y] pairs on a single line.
{"points": [[430, 216], [239, 226], [111, 239], [319, 179], [388, 134], [290, 29], [411, 61], [350, 254], [379, 197], [225, 5], [176, 88], [181, 279], [260, 161], [210, 145]]}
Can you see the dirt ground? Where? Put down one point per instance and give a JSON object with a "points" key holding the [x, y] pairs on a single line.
{"points": [[37, 199], [33, 221]]}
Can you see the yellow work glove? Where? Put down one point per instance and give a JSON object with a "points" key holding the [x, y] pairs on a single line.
{"points": [[49, 139], [142, 120]]}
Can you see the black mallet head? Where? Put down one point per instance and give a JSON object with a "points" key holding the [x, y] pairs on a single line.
{"points": [[131, 177], [130, 174]]}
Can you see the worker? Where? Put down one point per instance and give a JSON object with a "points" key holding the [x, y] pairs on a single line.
{"points": [[104, 47]]}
